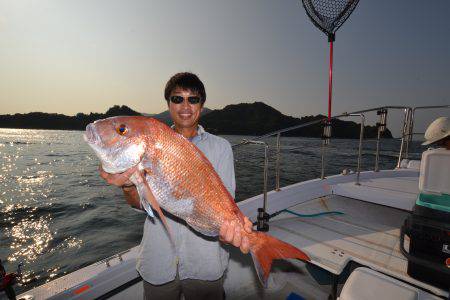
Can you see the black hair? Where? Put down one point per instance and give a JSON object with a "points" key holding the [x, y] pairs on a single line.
{"points": [[185, 81]]}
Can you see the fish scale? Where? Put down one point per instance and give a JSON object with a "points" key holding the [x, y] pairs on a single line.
{"points": [[176, 160], [179, 179]]}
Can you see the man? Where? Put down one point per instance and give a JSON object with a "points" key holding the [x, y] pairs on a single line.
{"points": [[195, 266]]}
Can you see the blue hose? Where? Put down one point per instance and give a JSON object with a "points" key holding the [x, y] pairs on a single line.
{"points": [[313, 215]]}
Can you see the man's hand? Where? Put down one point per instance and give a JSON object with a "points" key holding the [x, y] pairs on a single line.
{"points": [[118, 179], [230, 233]]}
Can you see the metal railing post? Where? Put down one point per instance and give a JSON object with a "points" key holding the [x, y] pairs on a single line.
{"points": [[266, 172], [322, 173], [277, 165], [381, 127], [412, 124], [408, 132], [263, 216], [325, 142], [361, 137], [402, 144]]}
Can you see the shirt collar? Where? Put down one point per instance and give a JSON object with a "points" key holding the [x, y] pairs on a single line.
{"points": [[201, 133]]}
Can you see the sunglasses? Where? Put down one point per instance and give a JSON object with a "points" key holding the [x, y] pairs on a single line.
{"points": [[180, 99]]}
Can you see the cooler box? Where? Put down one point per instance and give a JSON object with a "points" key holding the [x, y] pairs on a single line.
{"points": [[429, 246], [428, 227], [435, 174]]}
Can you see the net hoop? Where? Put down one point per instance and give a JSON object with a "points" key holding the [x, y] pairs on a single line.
{"points": [[329, 15]]}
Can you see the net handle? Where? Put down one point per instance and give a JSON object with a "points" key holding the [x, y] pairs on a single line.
{"points": [[330, 80]]}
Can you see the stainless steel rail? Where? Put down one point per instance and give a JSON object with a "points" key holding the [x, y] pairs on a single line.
{"points": [[277, 165], [411, 133], [408, 129], [406, 119], [322, 160], [361, 137], [263, 216], [266, 166], [381, 128], [273, 133], [406, 138]]}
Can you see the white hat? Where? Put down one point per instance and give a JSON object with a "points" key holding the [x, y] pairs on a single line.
{"points": [[438, 130]]}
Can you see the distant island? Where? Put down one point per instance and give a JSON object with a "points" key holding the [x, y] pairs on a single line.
{"points": [[253, 119]]}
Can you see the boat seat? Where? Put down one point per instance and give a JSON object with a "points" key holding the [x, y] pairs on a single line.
{"points": [[367, 284]]}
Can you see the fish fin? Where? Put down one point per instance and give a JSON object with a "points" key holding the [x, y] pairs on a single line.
{"points": [[266, 248], [155, 205], [140, 186], [192, 222]]}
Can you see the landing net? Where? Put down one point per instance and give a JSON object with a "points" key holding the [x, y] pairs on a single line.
{"points": [[329, 15]]}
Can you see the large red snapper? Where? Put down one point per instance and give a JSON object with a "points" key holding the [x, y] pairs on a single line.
{"points": [[182, 180]]}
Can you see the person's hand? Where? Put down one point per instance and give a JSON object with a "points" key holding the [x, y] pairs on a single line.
{"points": [[230, 233], [120, 180]]}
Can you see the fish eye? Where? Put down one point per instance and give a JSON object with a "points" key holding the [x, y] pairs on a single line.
{"points": [[122, 129]]}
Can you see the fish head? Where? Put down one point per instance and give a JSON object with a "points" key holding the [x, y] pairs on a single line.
{"points": [[119, 142]]}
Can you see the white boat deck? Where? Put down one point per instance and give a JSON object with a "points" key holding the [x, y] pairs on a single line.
{"points": [[400, 192], [364, 233], [395, 188]]}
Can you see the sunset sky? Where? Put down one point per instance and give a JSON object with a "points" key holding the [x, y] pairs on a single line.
{"points": [[87, 55]]}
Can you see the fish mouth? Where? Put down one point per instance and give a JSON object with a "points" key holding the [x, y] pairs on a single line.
{"points": [[90, 136]]}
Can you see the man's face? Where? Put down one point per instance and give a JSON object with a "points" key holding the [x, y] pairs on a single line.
{"points": [[185, 114]]}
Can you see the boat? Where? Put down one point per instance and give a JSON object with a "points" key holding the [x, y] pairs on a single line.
{"points": [[348, 223]]}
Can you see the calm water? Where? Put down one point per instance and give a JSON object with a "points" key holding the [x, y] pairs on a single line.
{"points": [[57, 214]]}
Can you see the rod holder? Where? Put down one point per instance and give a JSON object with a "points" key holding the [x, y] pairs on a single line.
{"points": [[326, 132], [262, 223]]}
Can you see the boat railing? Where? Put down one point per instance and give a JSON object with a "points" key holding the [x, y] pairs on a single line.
{"points": [[266, 165], [382, 111], [407, 132]]}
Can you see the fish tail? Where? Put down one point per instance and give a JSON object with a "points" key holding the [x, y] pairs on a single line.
{"points": [[265, 248]]}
